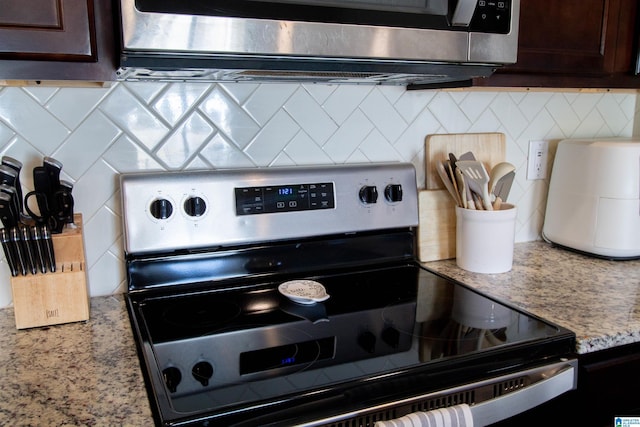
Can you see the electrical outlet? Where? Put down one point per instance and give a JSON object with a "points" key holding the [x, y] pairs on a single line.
{"points": [[537, 161]]}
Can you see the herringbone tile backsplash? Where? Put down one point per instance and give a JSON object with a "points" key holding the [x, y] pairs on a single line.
{"points": [[98, 133]]}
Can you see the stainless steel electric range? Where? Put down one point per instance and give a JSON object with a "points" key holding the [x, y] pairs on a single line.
{"points": [[292, 296]]}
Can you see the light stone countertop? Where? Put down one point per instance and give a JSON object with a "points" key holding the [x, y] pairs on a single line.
{"points": [[597, 299], [84, 373], [88, 374]]}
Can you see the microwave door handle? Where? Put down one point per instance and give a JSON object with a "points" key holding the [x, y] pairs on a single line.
{"points": [[463, 13], [514, 403]]}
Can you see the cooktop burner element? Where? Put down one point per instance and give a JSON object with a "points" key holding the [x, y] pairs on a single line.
{"points": [[291, 296]]}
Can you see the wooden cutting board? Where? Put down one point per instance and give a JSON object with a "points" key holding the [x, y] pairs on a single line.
{"points": [[489, 148], [437, 230]]}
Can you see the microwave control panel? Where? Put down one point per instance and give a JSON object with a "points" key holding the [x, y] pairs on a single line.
{"points": [[492, 17]]}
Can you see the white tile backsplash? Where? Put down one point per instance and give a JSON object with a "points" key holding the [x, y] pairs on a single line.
{"points": [[98, 133], [27, 118], [311, 116]]}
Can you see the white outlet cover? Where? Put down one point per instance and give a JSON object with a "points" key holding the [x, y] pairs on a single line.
{"points": [[537, 160]]}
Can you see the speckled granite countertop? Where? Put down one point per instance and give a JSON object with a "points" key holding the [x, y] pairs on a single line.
{"points": [[84, 374], [88, 373], [597, 299]]}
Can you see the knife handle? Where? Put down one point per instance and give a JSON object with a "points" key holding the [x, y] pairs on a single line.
{"points": [[6, 211], [42, 190], [28, 247], [47, 247], [53, 169], [7, 176], [38, 248], [21, 256], [64, 202], [13, 195], [8, 251], [16, 165]]}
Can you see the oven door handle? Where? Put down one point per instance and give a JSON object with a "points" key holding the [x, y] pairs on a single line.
{"points": [[514, 403], [549, 382]]}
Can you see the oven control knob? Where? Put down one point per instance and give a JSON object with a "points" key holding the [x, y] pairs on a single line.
{"points": [[368, 194], [202, 372], [391, 337], [161, 208], [367, 341], [195, 206], [172, 378], [393, 193]]}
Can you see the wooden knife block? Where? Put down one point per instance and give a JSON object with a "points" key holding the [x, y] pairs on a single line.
{"points": [[53, 298]]}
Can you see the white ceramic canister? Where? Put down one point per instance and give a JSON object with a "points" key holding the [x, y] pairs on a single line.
{"points": [[485, 239]]}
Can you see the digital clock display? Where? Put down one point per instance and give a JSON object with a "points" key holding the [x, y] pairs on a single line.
{"points": [[287, 355], [284, 198]]}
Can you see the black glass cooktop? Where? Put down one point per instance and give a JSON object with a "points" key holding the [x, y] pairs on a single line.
{"points": [[239, 351], [208, 313]]}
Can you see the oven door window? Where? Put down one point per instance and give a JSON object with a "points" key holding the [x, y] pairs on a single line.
{"points": [[430, 14]]}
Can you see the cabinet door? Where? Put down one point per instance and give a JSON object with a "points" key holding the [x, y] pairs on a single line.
{"points": [[568, 36], [57, 40], [47, 30], [609, 387], [574, 43]]}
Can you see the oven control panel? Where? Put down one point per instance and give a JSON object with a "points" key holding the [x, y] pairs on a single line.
{"points": [[284, 198], [168, 211]]}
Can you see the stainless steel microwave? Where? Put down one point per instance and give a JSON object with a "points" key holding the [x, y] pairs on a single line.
{"points": [[351, 41]]}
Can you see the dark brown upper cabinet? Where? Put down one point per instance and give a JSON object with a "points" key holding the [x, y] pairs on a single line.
{"points": [[57, 40], [575, 44]]}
